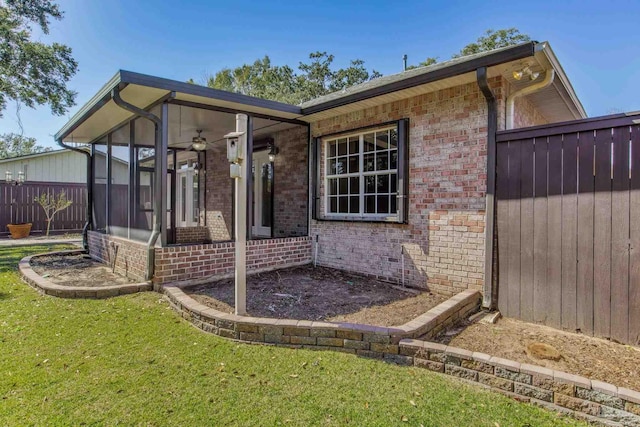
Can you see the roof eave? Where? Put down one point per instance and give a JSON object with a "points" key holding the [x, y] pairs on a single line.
{"points": [[94, 104], [512, 54], [123, 78], [545, 48]]}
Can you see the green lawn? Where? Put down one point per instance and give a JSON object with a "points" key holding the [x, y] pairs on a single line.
{"points": [[132, 361]]}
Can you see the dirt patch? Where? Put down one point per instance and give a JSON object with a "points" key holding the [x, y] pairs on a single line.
{"points": [[308, 293], [590, 357], [76, 270]]}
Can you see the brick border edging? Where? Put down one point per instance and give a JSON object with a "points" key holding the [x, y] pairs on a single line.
{"points": [[582, 397], [47, 287], [364, 340]]}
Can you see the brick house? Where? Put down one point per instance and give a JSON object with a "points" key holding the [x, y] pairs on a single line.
{"points": [[391, 178]]}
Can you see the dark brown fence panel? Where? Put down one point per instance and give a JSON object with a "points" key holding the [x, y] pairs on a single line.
{"points": [[540, 283], [526, 228], [584, 297], [634, 238], [567, 228], [17, 205]]}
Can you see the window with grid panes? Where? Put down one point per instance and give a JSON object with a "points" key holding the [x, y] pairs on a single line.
{"points": [[361, 174]]}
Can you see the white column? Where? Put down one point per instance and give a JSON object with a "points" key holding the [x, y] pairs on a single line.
{"points": [[241, 218]]}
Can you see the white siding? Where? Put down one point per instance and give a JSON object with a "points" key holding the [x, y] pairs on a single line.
{"points": [[62, 166]]}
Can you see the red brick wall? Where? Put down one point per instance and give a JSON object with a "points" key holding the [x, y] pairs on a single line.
{"points": [[443, 241], [525, 114], [219, 201], [216, 260], [130, 258], [291, 183], [196, 234]]}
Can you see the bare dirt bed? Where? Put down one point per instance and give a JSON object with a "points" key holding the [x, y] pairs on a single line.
{"points": [[76, 270], [590, 357], [308, 293]]}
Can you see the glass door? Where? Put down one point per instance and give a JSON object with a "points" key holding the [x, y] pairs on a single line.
{"points": [[262, 194], [187, 198]]}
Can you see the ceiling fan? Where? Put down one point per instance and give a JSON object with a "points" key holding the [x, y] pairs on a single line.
{"points": [[197, 143]]}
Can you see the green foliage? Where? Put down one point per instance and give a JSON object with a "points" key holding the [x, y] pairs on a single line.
{"points": [[429, 61], [13, 144], [52, 204], [488, 41], [131, 360], [32, 72], [264, 80], [494, 40]]}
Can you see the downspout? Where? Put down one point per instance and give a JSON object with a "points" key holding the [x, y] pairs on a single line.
{"points": [[89, 214], [488, 299], [548, 79], [157, 208]]}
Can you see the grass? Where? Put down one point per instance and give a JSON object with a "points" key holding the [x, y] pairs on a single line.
{"points": [[131, 360]]}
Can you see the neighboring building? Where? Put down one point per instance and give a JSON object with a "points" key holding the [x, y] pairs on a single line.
{"points": [[386, 174], [59, 166], [52, 172]]}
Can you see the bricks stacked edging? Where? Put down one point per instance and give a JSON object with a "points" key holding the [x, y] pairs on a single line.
{"points": [[553, 389], [364, 340], [47, 287]]}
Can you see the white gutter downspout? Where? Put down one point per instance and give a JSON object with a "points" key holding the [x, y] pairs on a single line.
{"points": [[548, 79]]}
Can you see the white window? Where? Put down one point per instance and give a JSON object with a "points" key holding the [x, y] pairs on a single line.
{"points": [[361, 175]]}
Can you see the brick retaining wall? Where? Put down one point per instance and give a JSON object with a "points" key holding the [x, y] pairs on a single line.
{"points": [[529, 383], [216, 260]]}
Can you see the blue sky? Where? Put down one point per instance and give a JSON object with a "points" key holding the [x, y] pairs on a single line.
{"points": [[595, 41]]}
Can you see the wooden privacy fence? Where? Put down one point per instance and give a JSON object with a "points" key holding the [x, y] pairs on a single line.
{"points": [[568, 226], [17, 205]]}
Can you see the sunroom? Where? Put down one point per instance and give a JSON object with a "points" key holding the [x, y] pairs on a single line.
{"points": [[171, 217]]}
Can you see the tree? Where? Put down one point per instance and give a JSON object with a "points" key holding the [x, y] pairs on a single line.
{"points": [[494, 40], [488, 41], [31, 72], [13, 144], [262, 79], [52, 204], [429, 61]]}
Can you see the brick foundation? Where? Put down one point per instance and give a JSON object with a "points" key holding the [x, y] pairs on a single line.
{"points": [[217, 260], [130, 257]]}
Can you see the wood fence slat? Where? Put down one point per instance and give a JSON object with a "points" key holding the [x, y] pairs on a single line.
{"points": [[514, 229], [569, 230], [526, 230], [602, 235], [25, 209], [502, 224], [554, 232], [540, 230], [620, 236], [634, 239], [584, 302]]}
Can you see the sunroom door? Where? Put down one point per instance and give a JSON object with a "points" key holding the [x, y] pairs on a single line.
{"points": [[262, 194], [187, 198]]}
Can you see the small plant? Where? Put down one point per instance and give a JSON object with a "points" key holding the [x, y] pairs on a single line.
{"points": [[52, 204]]}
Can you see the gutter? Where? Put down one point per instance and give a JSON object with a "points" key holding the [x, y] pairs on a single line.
{"points": [[89, 214], [157, 208], [489, 292], [514, 53]]}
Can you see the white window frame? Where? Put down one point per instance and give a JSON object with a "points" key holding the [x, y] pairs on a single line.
{"points": [[361, 174]]}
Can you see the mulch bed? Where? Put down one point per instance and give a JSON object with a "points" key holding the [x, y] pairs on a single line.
{"points": [[76, 270], [589, 357], [308, 293]]}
